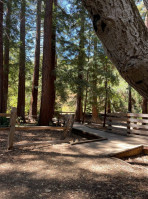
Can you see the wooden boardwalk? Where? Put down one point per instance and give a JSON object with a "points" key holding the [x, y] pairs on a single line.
{"points": [[114, 143]]}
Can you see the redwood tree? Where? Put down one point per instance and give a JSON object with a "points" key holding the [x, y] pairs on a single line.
{"points": [[124, 36], [94, 83], [47, 66], [53, 63], [81, 62], [6, 55], [33, 106], [21, 87], [1, 54]]}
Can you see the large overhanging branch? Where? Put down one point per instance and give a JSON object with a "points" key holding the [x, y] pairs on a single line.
{"points": [[124, 37], [146, 3]]}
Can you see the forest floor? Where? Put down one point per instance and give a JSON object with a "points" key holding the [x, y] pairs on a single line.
{"points": [[64, 171]]}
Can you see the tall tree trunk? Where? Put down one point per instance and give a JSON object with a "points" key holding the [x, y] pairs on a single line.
{"points": [[144, 106], [33, 106], [124, 36], [53, 64], [1, 55], [46, 68], [129, 99], [108, 106], [105, 105], [21, 87], [106, 95], [81, 60], [6, 56], [86, 94], [94, 83]]}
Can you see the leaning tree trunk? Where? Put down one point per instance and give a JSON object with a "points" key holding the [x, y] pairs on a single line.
{"points": [[46, 68], [6, 56], [1, 54], [33, 106], [21, 87], [125, 38]]}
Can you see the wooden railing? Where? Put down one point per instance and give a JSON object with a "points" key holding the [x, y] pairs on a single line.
{"points": [[128, 123], [13, 116]]}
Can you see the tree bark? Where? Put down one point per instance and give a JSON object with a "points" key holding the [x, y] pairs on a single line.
{"points": [[124, 36], [144, 106], [53, 64], [145, 101], [81, 60], [1, 55], [21, 87], [6, 56], [129, 99], [34, 98], [46, 68], [109, 106], [146, 3], [94, 83]]}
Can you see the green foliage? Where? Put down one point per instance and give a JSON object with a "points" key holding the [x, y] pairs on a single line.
{"points": [[4, 122], [97, 70]]}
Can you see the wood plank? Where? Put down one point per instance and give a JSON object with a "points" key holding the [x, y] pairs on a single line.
{"points": [[88, 141], [42, 142], [117, 114], [137, 120], [116, 119], [129, 152], [37, 128], [115, 128], [4, 128], [145, 150], [137, 115], [139, 132], [5, 115], [138, 126], [117, 123], [34, 128], [118, 132]]}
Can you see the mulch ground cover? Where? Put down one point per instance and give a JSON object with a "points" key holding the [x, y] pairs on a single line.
{"points": [[65, 172]]}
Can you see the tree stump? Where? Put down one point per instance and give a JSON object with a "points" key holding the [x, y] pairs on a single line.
{"points": [[68, 128]]}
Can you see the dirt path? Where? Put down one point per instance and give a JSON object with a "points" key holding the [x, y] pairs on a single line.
{"points": [[66, 172]]}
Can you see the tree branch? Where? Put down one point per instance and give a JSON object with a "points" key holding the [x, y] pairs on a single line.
{"points": [[146, 3]]}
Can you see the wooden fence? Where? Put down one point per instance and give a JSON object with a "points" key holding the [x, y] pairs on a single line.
{"points": [[127, 123], [13, 116]]}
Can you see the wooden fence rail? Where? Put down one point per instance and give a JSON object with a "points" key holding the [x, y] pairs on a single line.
{"points": [[128, 123]]}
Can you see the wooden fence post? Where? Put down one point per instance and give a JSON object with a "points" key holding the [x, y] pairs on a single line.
{"points": [[12, 127], [128, 124]]}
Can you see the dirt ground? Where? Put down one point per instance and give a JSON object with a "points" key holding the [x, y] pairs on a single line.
{"points": [[65, 172]]}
